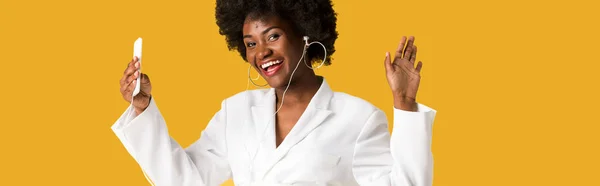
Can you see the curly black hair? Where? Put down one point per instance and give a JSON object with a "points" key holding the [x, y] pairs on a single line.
{"points": [[313, 18]]}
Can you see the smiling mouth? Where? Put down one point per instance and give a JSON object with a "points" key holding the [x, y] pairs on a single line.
{"points": [[271, 67]]}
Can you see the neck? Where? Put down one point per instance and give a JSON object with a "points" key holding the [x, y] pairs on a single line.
{"points": [[300, 91]]}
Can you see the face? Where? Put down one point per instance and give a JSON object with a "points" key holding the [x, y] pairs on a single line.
{"points": [[273, 49]]}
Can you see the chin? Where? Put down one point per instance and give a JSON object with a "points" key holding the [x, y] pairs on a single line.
{"points": [[281, 79], [278, 81]]}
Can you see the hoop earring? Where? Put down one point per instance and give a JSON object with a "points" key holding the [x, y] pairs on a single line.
{"points": [[306, 45], [251, 80]]}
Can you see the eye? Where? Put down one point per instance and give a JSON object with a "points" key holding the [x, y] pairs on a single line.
{"points": [[273, 37], [250, 44]]}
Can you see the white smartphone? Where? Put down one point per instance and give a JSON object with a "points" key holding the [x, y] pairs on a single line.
{"points": [[137, 52]]}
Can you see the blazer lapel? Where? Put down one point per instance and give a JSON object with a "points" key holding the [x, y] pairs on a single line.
{"points": [[263, 123], [316, 112]]}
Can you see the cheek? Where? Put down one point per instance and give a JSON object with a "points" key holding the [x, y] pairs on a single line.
{"points": [[294, 53], [290, 51], [250, 58]]}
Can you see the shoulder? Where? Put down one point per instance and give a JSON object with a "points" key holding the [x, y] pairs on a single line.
{"points": [[352, 106], [356, 115], [350, 101]]}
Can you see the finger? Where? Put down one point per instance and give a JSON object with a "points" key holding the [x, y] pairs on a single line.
{"points": [[122, 88], [126, 79], [388, 64], [126, 91], [130, 74], [132, 68], [122, 80], [401, 47], [127, 71], [419, 66], [130, 87], [133, 77], [126, 82], [413, 56], [409, 47], [131, 64]]}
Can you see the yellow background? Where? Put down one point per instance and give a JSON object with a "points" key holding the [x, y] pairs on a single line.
{"points": [[515, 83]]}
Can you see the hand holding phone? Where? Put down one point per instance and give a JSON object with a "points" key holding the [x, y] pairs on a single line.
{"points": [[135, 86]]}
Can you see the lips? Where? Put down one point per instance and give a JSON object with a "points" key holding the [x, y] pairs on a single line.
{"points": [[269, 68]]}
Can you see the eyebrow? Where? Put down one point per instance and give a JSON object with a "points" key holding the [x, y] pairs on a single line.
{"points": [[263, 32]]}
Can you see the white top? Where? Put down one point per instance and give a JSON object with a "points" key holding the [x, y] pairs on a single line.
{"points": [[339, 140]]}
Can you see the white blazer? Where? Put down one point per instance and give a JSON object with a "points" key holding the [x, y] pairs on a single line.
{"points": [[339, 140]]}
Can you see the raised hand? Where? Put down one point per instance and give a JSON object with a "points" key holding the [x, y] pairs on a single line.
{"points": [[402, 75]]}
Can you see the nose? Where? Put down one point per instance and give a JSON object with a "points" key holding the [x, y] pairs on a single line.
{"points": [[263, 52]]}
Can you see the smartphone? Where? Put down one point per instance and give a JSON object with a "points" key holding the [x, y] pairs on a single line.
{"points": [[137, 52]]}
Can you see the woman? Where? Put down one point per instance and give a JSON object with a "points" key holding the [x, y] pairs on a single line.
{"points": [[299, 132]]}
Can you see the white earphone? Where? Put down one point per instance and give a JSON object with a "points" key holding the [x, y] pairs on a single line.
{"points": [[305, 38]]}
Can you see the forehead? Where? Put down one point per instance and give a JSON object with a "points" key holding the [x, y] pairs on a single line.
{"points": [[258, 24]]}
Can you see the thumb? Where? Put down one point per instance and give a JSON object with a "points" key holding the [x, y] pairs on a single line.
{"points": [[144, 79], [419, 66], [388, 64], [145, 84]]}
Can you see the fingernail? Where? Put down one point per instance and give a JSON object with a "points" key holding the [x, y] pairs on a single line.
{"points": [[137, 64], [387, 54], [136, 73]]}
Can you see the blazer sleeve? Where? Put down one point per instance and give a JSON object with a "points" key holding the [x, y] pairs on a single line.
{"points": [[165, 162], [405, 158]]}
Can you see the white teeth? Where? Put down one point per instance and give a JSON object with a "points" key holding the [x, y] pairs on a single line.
{"points": [[270, 63]]}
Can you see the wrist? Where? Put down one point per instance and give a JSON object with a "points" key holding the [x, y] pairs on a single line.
{"points": [[140, 109], [405, 103]]}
